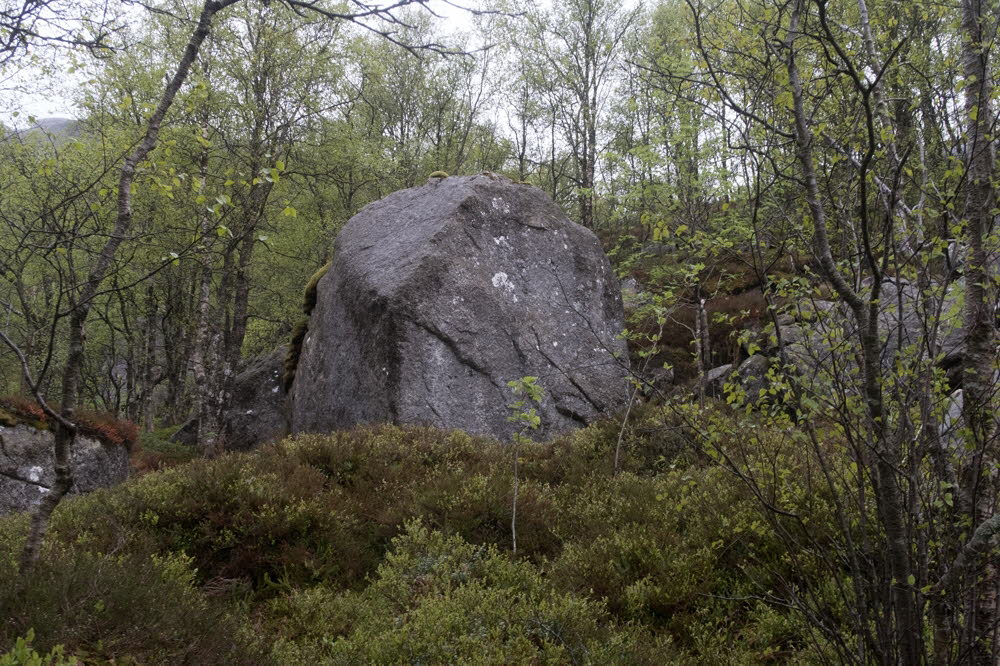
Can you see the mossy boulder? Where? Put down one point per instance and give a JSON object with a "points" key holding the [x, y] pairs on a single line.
{"points": [[27, 462]]}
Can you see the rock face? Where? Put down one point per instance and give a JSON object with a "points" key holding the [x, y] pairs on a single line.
{"points": [[715, 380], [821, 345], [26, 462], [752, 376], [439, 295], [256, 414], [901, 318]]}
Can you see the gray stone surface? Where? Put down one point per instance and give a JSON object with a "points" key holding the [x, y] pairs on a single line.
{"points": [[439, 295], [633, 296], [715, 380], [821, 347], [752, 375], [256, 414], [656, 380], [26, 466], [901, 317], [187, 434]]}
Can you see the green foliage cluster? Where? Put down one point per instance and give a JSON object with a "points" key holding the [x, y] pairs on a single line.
{"points": [[663, 328], [104, 607], [439, 599], [24, 655], [390, 545]]}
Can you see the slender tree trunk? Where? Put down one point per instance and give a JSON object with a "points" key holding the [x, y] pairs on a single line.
{"points": [[700, 351], [206, 432], [902, 604], [65, 433], [977, 484], [143, 407]]}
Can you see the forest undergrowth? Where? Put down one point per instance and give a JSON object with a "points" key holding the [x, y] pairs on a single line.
{"points": [[392, 545]]}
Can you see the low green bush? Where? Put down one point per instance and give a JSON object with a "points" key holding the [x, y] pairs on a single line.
{"points": [[439, 599], [157, 451], [22, 654], [392, 544], [104, 607]]}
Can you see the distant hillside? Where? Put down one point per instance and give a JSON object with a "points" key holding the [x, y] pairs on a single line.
{"points": [[59, 129], [59, 126]]}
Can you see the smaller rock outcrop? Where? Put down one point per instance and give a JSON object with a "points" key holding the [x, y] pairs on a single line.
{"points": [[27, 462], [820, 339], [256, 413], [715, 380], [753, 377]]}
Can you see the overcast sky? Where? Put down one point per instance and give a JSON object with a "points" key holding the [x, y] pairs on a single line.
{"points": [[34, 93]]}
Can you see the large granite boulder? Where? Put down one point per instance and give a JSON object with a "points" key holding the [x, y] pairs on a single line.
{"points": [[26, 466], [256, 411], [439, 295]]}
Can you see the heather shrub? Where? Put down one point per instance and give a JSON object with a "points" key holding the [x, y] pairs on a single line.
{"points": [[114, 607], [393, 544], [439, 599], [106, 427], [156, 451], [16, 410]]}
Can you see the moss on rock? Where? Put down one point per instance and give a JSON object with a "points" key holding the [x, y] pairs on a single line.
{"points": [[105, 427], [309, 302], [294, 351], [302, 327]]}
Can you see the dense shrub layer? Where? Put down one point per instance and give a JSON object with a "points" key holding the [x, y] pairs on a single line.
{"points": [[392, 545]]}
